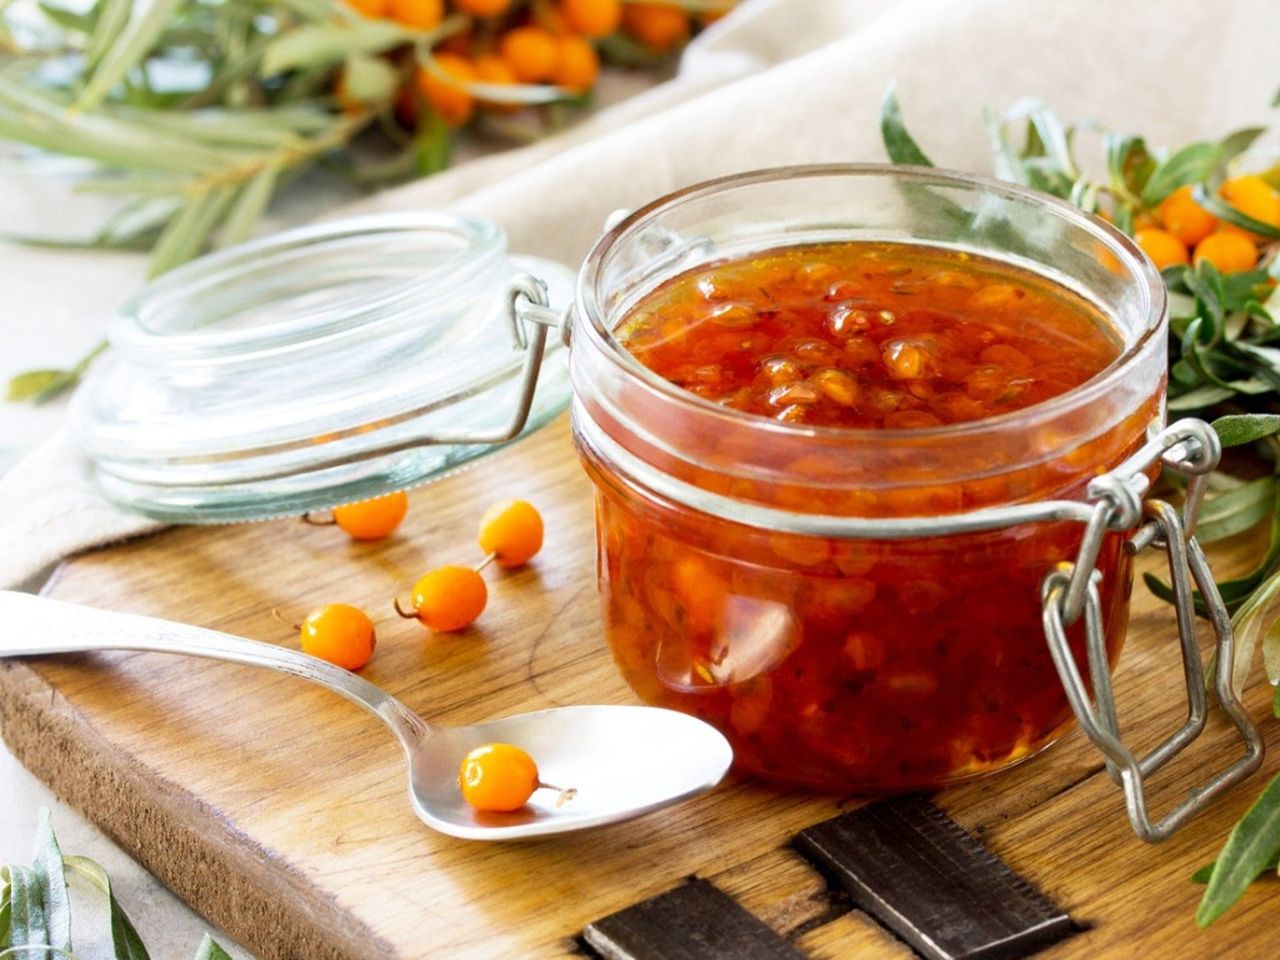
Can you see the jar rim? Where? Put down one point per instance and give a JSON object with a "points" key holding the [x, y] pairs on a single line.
{"points": [[142, 327], [1150, 284]]}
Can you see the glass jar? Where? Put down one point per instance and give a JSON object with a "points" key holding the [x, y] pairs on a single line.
{"points": [[852, 662], [315, 367]]}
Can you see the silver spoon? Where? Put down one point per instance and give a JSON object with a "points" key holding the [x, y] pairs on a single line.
{"points": [[621, 761]]}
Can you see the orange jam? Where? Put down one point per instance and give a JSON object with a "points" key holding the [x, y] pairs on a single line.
{"points": [[869, 335], [850, 663]]}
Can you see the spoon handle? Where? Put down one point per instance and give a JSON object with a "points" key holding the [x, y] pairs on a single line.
{"points": [[35, 626]]}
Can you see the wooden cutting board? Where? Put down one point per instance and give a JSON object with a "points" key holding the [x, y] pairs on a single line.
{"points": [[279, 811]]}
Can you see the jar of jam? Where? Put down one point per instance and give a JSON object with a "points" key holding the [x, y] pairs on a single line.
{"points": [[768, 369]]}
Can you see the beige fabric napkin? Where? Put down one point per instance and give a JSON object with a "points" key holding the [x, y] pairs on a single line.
{"points": [[778, 82]]}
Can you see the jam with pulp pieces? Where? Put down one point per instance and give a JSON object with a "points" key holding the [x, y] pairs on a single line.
{"points": [[856, 663]]}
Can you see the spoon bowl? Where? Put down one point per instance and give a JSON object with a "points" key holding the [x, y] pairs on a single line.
{"points": [[619, 761]]}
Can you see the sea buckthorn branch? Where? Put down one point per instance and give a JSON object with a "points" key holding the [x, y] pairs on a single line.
{"points": [[1208, 216], [268, 89]]}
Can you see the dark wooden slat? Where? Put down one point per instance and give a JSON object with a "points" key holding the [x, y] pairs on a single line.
{"points": [[695, 921], [918, 873]]}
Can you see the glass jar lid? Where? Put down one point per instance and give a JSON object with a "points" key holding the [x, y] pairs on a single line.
{"points": [[263, 380]]}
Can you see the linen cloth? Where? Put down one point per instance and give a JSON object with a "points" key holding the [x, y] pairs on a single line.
{"points": [[777, 82]]}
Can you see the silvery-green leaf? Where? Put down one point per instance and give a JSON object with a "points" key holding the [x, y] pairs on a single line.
{"points": [[1224, 211], [324, 44], [1227, 514], [46, 865], [249, 204], [1250, 847], [1006, 163], [113, 17], [898, 144], [26, 909], [210, 950], [125, 942], [132, 46], [30, 383], [1237, 429], [1192, 164], [369, 79], [1199, 398], [1271, 651], [188, 232]]}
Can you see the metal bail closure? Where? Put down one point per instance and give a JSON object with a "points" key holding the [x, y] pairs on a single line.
{"points": [[1189, 447]]}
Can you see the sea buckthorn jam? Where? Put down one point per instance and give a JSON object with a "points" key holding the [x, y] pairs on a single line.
{"points": [[856, 663]]}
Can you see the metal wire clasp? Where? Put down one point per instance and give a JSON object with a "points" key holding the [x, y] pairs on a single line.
{"points": [[1189, 447]]}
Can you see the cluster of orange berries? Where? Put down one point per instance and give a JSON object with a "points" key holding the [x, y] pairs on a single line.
{"points": [[496, 777], [1181, 231], [508, 44], [446, 599]]}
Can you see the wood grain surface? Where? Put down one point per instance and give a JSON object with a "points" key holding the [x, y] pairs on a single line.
{"points": [[279, 811]]}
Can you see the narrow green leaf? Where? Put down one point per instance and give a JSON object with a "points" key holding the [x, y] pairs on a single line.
{"points": [[1192, 164], [250, 202], [1275, 708], [1271, 651], [26, 908], [46, 864], [329, 43], [1205, 873], [68, 20], [113, 17], [1199, 398], [1224, 211], [210, 950], [898, 144], [1006, 163], [30, 383], [1234, 144], [127, 51], [369, 79], [50, 387], [1129, 163], [186, 234], [1238, 429], [1227, 514], [1253, 843], [124, 937]]}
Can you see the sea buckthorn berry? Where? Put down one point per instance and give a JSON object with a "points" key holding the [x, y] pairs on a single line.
{"points": [[416, 14], [372, 519], [448, 598], [531, 52], [339, 633], [1164, 249], [836, 385], [498, 777], [659, 26], [846, 320], [373, 9], [1253, 197], [790, 393], [732, 315], [593, 18], [903, 360], [1184, 218], [448, 95], [995, 296], [490, 68], [577, 65], [511, 531], [482, 8], [1231, 251], [781, 369]]}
